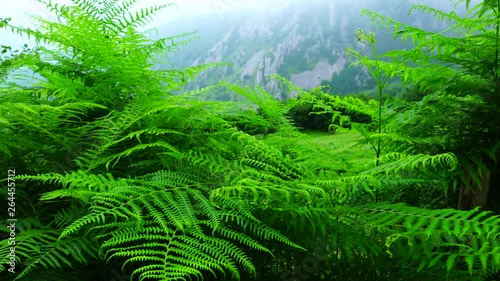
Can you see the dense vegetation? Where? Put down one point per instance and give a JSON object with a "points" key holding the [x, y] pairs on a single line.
{"points": [[113, 176]]}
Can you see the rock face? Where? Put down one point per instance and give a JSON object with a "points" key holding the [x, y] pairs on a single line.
{"points": [[303, 41], [323, 71]]}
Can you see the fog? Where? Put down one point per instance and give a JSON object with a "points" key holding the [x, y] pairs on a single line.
{"points": [[20, 10]]}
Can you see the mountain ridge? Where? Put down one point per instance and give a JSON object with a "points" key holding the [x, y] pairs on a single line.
{"points": [[302, 41]]}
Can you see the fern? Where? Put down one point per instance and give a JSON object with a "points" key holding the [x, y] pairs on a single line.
{"points": [[471, 235], [174, 187], [168, 212], [40, 248]]}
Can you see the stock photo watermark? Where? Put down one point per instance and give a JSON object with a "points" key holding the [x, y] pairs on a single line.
{"points": [[11, 225], [310, 264], [11, 221], [120, 276], [221, 7]]}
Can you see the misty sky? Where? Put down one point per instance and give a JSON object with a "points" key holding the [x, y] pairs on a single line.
{"points": [[19, 10]]}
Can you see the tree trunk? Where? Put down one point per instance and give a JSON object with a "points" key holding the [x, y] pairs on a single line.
{"points": [[473, 195]]}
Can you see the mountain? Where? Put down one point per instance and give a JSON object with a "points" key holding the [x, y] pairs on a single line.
{"points": [[303, 41]]}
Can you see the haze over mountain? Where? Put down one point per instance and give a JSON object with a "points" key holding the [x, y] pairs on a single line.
{"points": [[303, 41]]}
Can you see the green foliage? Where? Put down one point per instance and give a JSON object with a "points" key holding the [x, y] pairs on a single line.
{"points": [[461, 238], [105, 111], [114, 173], [315, 110], [341, 82], [460, 67]]}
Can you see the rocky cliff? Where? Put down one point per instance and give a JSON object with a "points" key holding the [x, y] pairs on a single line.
{"points": [[303, 41]]}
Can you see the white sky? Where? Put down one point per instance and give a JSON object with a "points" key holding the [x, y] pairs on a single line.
{"points": [[20, 11]]}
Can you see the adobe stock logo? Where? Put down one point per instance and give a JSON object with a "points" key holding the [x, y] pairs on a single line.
{"points": [[310, 264], [119, 276], [392, 8], [223, 6]]}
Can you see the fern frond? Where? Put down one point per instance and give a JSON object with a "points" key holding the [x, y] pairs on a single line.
{"points": [[396, 162], [476, 233], [140, 213], [41, 248]]}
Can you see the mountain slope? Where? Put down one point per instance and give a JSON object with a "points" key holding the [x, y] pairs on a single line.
{"points": [[302, 41]]}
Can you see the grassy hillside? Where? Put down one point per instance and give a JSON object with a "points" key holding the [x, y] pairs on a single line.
{"points": [[345, 146]]}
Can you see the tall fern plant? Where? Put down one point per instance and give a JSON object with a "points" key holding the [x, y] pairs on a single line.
{"points": [[460, 65], [381, 75], [136, 166], [357, 227], [166, 187], [420, 246]]}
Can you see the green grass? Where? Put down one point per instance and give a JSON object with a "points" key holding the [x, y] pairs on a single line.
{"points": [[344, 145]]}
